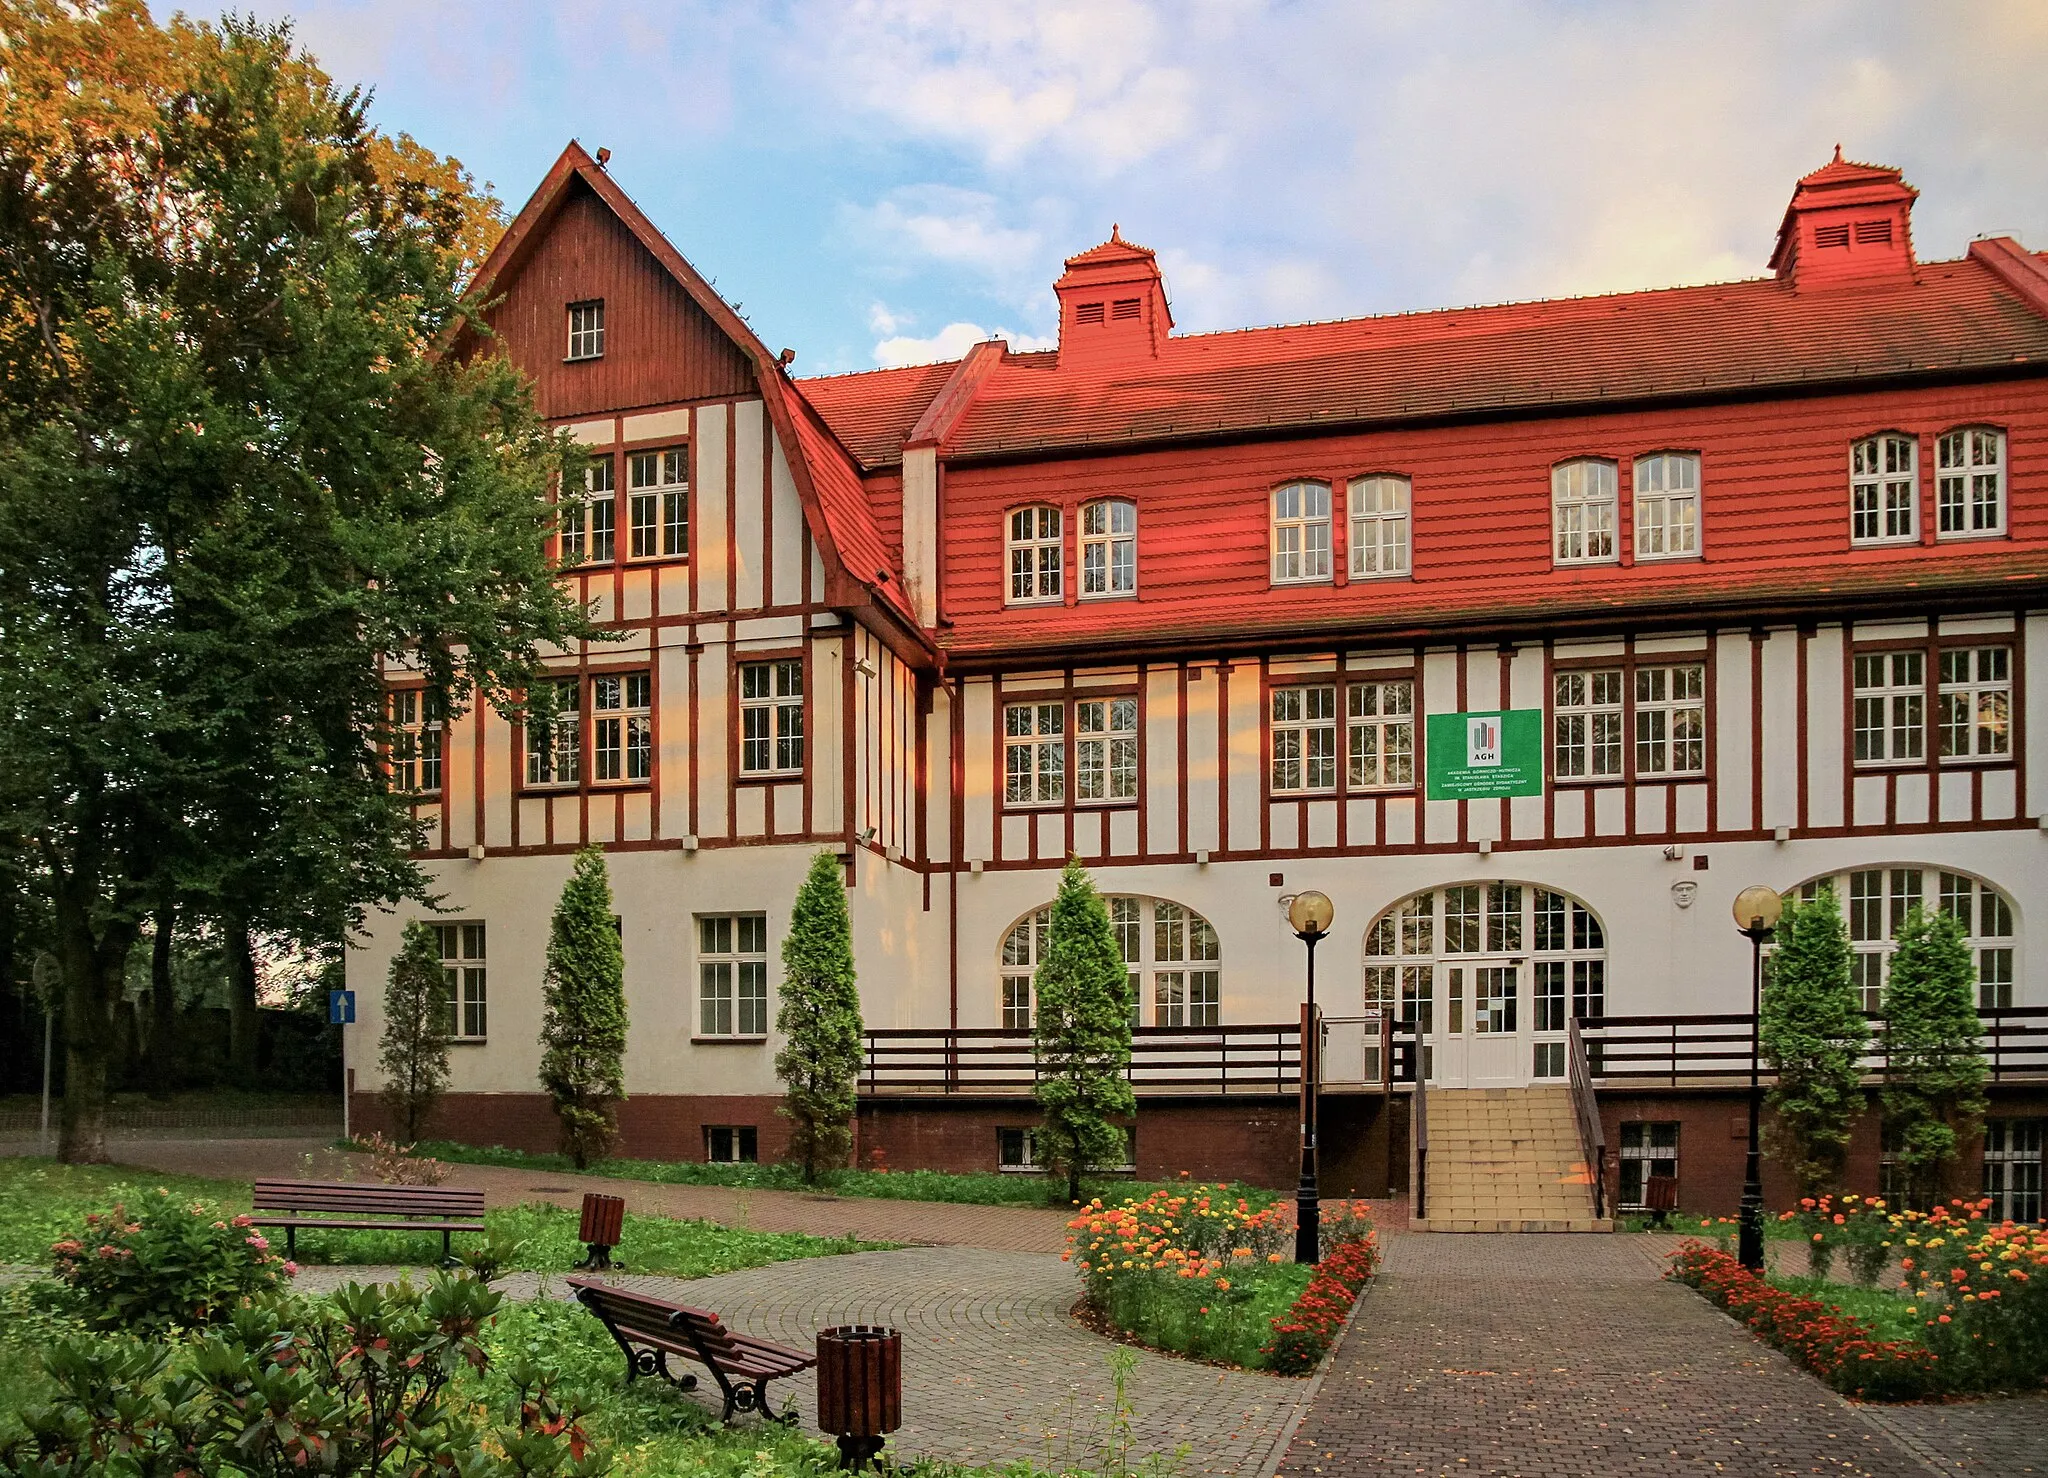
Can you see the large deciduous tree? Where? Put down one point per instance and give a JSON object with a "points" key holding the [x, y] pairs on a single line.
{"points": [[583, 1026], [1934, 1054], [1813, 1034], [1081, 1034], [819, 1019], [236, 480]]}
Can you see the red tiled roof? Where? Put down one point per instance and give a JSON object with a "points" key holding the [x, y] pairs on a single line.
{"points": [[1840, 171], [1598, 351], [1116, 249]]}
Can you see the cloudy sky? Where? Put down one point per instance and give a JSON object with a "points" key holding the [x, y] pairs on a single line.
{"points": [[885, 181]]}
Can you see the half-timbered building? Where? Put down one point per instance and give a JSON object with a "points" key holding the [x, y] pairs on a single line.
{"points": [[1762, 567]]}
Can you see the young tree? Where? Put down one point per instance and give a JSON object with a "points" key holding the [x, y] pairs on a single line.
{"points": [[1813, 1038], [1081, 1034], [1934, 1081], [237, 478], [414, 1055], [583, 1030], [819, 1063]]}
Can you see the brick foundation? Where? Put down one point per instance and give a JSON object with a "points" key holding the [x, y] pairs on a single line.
{"points": [[652, 1126]]}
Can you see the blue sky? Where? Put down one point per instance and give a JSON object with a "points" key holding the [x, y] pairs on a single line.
{"points": [[883, 181]]}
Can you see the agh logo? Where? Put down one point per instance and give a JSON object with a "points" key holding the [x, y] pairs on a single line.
{"points": [[1482, 742]]}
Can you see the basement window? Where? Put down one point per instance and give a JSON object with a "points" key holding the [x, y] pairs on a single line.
{"points": [[731, 1144], [1647, 1149]]}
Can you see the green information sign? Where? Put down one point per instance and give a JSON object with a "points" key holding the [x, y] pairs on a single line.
{"points": [[1485, 754]]}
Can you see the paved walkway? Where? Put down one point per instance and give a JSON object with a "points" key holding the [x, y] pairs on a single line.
{"points": [[995, 1370], [1568, 1355]]}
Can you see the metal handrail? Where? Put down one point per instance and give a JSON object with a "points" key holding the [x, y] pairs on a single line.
{"points": [[1592, 1133], [1418, 1129]]}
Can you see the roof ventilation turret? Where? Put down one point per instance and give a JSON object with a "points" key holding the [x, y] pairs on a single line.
{"points": [[1848, 224], [1112, 305]]}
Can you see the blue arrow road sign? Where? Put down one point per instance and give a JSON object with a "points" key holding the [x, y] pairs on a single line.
{"points": [[341, 1007]]}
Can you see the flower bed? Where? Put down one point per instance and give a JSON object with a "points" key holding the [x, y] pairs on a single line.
{"points": [[1305, 1333], [1981, 1291], [1200, 1272], [1834, 1346]]}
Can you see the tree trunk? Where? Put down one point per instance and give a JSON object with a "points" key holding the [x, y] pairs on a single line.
{"points": [[163, 1006], [242, 1020], [94, 974]]}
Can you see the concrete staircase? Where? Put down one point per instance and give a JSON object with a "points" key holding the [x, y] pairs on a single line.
{"points": [[1507, 1160]]}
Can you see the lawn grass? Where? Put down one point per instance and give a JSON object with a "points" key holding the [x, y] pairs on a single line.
{"points": [[1195, 1320], [1881, 1310], [41, 1201], [975, 1188]]}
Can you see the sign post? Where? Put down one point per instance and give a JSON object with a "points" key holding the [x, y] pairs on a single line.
{"points": [[1473, 756], [341, 1012]]}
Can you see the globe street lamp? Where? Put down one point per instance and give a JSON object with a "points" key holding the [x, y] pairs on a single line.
{"points": [[1310, 914], [1756, 915]]}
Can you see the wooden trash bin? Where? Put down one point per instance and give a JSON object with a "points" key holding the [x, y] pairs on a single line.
{"points": [[860, 1389], [604, 1217], [1660, 1196]]}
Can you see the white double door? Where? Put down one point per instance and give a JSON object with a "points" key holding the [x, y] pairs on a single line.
{"points": [[1482, 1016]]}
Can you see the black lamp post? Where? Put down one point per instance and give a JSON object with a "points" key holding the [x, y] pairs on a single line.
{"points": [[1756, 915], [1310, 914]]}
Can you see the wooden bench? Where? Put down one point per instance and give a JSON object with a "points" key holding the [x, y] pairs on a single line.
{"points": [[345, 1206], [649, 1330]]}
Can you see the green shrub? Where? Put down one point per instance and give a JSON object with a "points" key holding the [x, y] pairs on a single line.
{"points": [[171, 1264]]}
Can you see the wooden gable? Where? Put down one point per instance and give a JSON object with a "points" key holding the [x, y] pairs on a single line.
{"points": [[660, 347]]}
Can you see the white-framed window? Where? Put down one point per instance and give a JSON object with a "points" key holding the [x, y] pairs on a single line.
{"points": [[1380, 734], [732, 1144], [1889, 711], [1127, 924], [1973, 703], [1969, 483], [1304, 739], [416, 715], [1017, 1149], [1667, 505], [1109, 549], [1172, 957], [1301, 533], [622, 726], [1034, 753], [1036, 555], [732, 975], [464, 969], [586, 330], [1648, 1147], [658, 493], [1023, 948], [1585, 505], [1876, 900], [588, 536], [1379, 527], [1884, 490], [1585, 724], [772, 717], [554, 735], [1671, 720], [1106, 749], [1187, 970], [2012, 1169]]}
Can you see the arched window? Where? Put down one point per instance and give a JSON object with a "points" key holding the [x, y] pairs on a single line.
{"points": [[1584, 510], [1667, 505], [1173, 960], [1301, 533], [1379, 527], [1969, 483], [1035, 548], [1876, 901], [1109, 549], [1884, 490], [1457, 960]]}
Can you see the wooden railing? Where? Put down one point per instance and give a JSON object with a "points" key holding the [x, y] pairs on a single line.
{"points": [[1586, 1108], [1164, 1060], [1700, 1050]]}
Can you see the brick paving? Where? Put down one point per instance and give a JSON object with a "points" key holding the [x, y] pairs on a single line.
{"points": [[995, 1371]]}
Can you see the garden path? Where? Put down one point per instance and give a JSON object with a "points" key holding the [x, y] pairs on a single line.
{"points": [[995, 1369], [1568, 1355]]}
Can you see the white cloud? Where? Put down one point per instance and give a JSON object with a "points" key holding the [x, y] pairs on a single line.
{"points": [[939, 223], [950, 342], [883, 321]]}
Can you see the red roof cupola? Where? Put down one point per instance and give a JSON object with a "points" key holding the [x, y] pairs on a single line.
{"points": [[1848, 224], [1112, 305]]}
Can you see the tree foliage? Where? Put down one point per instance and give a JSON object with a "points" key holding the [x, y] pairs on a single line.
{"points": [[583, 1029], [414, 1053], [1081, 1034], [1935, 1069], [236, 480], [819, 1020], [1813, 1037]]}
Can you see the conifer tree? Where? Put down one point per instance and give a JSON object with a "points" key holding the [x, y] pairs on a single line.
{"points": [[1813, 1037], [822, 1036], [1081, 1029], [1934, 1083], [583, 1030], [414, 1051]]}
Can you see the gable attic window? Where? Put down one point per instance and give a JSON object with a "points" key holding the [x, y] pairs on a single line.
{"points": [[1830, 235], [1884, 484], [1873, 233], [1035, 546], [1584, 505], [1087, 312], [1124, 308], [586, 329], [1301, 533]]}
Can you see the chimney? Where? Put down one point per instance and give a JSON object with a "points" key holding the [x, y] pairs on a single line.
{"points": [[1112, 305], [1848, 225]]}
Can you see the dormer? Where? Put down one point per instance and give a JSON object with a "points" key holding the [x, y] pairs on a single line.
{"points": [[1112, 305], [1849, 224]]}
